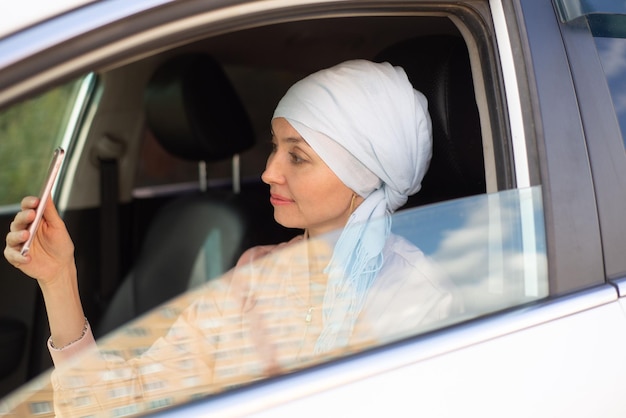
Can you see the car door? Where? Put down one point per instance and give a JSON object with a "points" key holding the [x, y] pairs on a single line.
{"points": [[560, 357]]}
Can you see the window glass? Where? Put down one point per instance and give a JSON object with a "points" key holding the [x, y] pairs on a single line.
{"points": [[445, 263], [492, 247], [30, 131], [612, 53]]}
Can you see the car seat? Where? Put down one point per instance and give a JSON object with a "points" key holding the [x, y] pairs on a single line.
{"points": [[195, 114], [439, 67]]}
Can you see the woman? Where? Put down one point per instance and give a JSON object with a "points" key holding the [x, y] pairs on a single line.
{"points": [[350, 143]]}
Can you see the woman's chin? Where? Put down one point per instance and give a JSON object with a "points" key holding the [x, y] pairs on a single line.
{"points": [[287, 223]]}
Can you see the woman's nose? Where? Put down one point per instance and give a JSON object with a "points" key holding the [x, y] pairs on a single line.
{"points": [[271, 174]]}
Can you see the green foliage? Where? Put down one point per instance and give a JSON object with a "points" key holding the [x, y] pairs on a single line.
{"points": [[29, 132]]}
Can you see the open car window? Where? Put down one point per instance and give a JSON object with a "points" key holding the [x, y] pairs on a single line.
{"points": [[449, 262]]}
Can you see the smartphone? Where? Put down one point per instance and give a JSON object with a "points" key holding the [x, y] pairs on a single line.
{"points": [[53, 172]]}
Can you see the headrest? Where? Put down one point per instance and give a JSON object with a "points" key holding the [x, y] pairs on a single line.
{"points": [[194, 111], [439, 67]]}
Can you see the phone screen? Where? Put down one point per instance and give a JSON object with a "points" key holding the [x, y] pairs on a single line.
{"points": [[53, 172]]}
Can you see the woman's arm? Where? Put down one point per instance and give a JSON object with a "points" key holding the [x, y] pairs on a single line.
{"points": [[50, 261]]}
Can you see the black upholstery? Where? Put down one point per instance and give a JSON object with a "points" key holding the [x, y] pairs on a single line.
{"points": [[12, 342], [439, 67], [195, 113]]}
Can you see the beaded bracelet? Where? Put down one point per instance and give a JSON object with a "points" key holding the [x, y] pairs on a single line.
{"points": [[72, 342]]}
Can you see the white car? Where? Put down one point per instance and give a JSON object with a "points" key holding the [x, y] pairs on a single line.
{"points": [[163, 108]]}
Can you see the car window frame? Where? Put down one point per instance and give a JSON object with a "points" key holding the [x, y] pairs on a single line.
{"points": [[548, 103], [604, 142]]}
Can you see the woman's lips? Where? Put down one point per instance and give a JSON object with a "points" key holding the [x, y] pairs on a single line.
{"points": [[278, 200]]}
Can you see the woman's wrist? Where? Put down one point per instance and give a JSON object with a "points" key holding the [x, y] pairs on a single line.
{"points": [[60, 279], [67, 344], [63, 305]]}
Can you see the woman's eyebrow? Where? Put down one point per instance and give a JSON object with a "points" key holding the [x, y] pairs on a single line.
{"points": [[290, 139], [294, 140]]}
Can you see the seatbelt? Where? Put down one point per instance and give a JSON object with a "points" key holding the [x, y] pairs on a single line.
{"points": [[109, 229], [109, 151]]}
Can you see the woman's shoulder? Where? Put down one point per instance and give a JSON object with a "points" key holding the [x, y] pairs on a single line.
{"points": [[406, 264], [259, 251], [399, 249], [410, 294]]}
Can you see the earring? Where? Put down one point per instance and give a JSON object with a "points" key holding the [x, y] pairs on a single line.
{"points": [[352, 202]]}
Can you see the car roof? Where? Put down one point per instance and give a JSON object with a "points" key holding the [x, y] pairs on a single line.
{"points": [[25, 13]]}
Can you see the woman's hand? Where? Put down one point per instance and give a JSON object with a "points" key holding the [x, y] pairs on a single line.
{"points": [[51, 254], [50, 260]]}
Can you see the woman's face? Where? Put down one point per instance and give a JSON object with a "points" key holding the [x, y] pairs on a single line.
{"points": [[305, 193]]}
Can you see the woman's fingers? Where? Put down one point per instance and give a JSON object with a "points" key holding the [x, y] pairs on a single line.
{"points": [[52, 250], [16, 238], [22, 219], [18, 233], [29, 202], [14, 241]]}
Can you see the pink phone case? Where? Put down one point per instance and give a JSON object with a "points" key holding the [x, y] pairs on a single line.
{"points": [[53, 171]]}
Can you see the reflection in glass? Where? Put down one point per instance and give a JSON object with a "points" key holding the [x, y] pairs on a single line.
{"points": [[612, 53], [491, 246], [478, 255]]}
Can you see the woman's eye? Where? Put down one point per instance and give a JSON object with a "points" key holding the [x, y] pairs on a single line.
{"points": [[295, 159]]}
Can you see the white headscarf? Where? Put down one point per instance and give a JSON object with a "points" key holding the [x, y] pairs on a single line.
{"points": [[373, 130]]}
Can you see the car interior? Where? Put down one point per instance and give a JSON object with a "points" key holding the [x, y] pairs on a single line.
{"points": [[182, 198]]}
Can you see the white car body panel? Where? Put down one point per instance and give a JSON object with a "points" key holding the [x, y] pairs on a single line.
{"points": [[553, 360]]}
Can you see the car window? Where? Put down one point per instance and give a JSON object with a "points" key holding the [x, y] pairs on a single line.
{"points": [[612, 51], [30, 131], [452, 261]]}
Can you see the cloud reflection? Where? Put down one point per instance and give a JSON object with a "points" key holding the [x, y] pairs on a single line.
{"points": [[491, 246]]}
